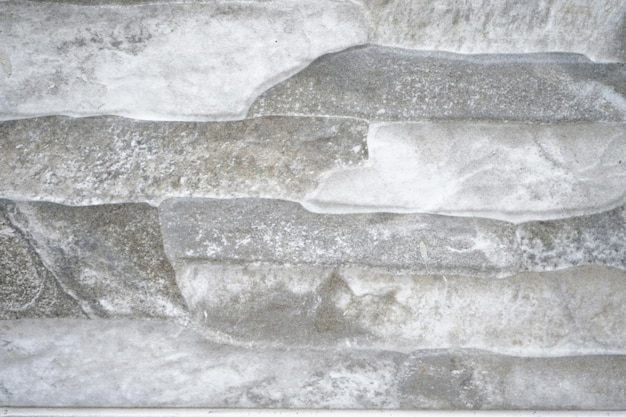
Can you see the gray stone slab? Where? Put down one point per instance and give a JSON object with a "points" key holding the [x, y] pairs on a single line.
{"points": [[27, 287], [280, 232], [593, 28], [595, 238], [508, 171], [275, 231], [161, 60], [108, 259], [573, 311], [122, 363], [382, 83], [109, 159]]}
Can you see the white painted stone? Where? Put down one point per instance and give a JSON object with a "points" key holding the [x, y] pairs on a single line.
{"points": [[595, 28], [572, 311], [164, 60], [507, 171]]}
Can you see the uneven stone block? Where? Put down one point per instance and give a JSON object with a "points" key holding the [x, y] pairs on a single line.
{"points": [[108, 260], [280, 232], [161, 60], [507, 171], [275, 231], [108, 159], [122, 363], [389, 84], [593, 28], [27, 287], [573, 311], [596, 238]]}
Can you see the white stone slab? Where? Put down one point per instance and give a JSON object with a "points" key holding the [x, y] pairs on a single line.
{"points": [[508, 171], [163, 60]]}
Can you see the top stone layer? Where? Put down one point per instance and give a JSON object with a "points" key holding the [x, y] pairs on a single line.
{"points": [[206, 61]]}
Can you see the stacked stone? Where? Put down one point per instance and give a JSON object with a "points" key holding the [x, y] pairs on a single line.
{"points": [[313, 204]]}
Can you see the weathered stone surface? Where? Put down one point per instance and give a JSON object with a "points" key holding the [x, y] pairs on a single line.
{"points": [[596, 238], [109, 159], [275, 231], [573, 311], [514, 172], [381, 83], [163, 60], [27, 287], [123, 363], [108, 259], [593, 28]]}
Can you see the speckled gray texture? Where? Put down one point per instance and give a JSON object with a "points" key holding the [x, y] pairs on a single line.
{"points": [[275, 231], [123, 363], [111, 159], [382, 83], [107, 259], [27, 287]]}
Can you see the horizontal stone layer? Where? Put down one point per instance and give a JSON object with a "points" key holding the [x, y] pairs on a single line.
{"points": [[113, 363], [99, 261], [572, 311], [389, 84], [503, 26], [508, 171], [109, 159], [274, 231], [161, 60]]}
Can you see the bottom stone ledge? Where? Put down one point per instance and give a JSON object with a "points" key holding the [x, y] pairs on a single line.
{"points": [[156, 363]]}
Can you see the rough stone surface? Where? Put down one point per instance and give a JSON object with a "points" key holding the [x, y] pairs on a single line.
{"points": [[596, 238], [573, 311], [27, 287], [108, 260], [110, 159], [593, 28], [275, 231], [514, 172], [174, 60], [381, 83], [123, 363]]}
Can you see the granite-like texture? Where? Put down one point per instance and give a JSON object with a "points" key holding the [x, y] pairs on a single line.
{"points": [[281, 232], [508, 171], [567, 312], [109, 159], [390, 84], [163, 60], [125, 363], [108, 259], [594, 28], [27, 287]]}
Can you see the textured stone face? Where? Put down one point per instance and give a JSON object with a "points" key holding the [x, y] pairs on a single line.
{"points": [[273, 231], [163, 60], [592, 28], [109, 159], [380, 83], [107, 372], [508, 171], [538, 314], [107, 260], [27, 287]]}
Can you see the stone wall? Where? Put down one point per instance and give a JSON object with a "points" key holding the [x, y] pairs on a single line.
{"points": [[344, 204]]}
